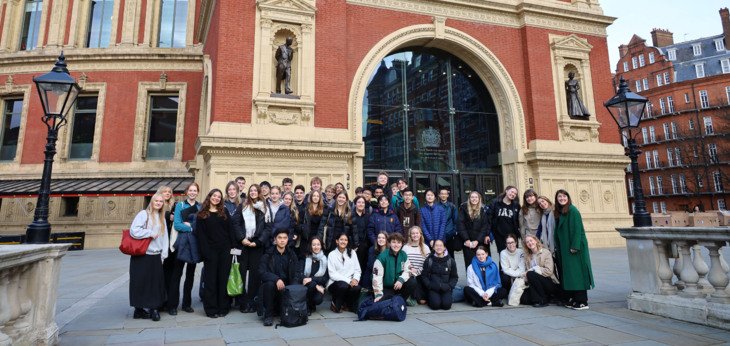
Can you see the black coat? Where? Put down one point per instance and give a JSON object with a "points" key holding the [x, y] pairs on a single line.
{"points": [[311, 224], [214, 234], [316, 280], [360, 229], [276, 266], [472, 229], [439, 273], [261, 235], [337, 226]]}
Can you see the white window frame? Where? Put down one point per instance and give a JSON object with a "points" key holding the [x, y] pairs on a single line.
{"points": [[626, 66], [686, 98], [634, 62], [683, 183], [700, 183], [727, 94], [666, 78], [678, 157], [721, 204], [655, 207], [697, 49], [651, 57], [719, 44], [673, 178], [659, 80], [648, 160], [691, 124], [666, 131], [662, 106], [670, 155], [700, 70], [642, 62], [717, 181], [657, 164], [631, 187], [638, 86], [673, 126], [712, 151], [646, 83], [707, 122], [704, 99], [725, 64], [659, 187], [663, 206], [672, 54], [652, 186], [652, 134], [645, 135], [670, 104]]}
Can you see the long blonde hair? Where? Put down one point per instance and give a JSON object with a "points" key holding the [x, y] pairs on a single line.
{"points": [[169, 203], [421, 244], [474, 210], [293, 210], [160, 219], [528, 253]]}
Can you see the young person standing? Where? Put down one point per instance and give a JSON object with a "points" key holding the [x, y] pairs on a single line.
{"points": [[451, 237], [383, 220], [571, 246], [408, 212], [180, 225], [251, 233], [433, 219], [530, 213], [503, 218], [473, 223]]}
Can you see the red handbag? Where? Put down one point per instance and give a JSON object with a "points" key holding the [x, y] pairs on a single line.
{"points": [[133, 247]]}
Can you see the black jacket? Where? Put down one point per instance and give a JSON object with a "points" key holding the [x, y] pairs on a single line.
{"points": [[472, 229], [336, 226], [439, 273], [311, 224], [276, 266], [360, 229], [239, 228], [503, 219], [316, 280], [213, 234]]}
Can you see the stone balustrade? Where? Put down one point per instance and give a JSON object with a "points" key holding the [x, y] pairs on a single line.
{"points": [[28, 290], [672, 277]]}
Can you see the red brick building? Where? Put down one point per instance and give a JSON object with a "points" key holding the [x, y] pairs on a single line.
{"points": [[185, 89], [684, 137]]}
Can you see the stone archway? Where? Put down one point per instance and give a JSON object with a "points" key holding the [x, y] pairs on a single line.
{"points": [[490, 70]]}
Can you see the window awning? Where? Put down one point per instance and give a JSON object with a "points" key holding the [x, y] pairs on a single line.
{"points": [[97, 186]]}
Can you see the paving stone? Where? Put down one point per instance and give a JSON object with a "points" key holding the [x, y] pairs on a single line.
{"points": [[497, 339], [465, 328], [643, 343], [724, 336], [444, 317], [236, 333], [329, 341], [556, 322], [601, 319], [377, 340], [86, 340], [143, 336], [439, 339], [347, 329], [602, 335], [304, 332], [272, 342], [191, 333], [165, 321], [208, 342], [98, 321], [642, 331], [555, 337]]}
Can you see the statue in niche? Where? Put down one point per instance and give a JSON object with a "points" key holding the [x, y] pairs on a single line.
{"points": [[284, 56], [576, 108]]}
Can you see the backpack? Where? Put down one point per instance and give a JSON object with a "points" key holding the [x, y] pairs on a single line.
{"points": [[393, 309], [293, 309]]}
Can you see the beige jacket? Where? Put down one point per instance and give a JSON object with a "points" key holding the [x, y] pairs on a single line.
{"points": [[544, 264]]}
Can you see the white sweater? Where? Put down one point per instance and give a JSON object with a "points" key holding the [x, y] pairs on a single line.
{"points": [[342, 267], [143, 228], [512, 264]]}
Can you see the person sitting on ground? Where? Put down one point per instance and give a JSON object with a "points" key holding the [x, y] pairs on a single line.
{"points": [[278, 268], [381, 244], [511, 263], [344, 271], [484, 288], [540, 275], [439, 277], [391, 274], [314, 274], [417, 252]]}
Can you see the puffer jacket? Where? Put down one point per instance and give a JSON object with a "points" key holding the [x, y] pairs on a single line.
{"points": [[433, 222], [383, 222]]}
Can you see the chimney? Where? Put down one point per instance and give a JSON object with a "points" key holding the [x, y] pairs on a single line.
{"points": [[661, 37], [622, 50], [725, 19]]}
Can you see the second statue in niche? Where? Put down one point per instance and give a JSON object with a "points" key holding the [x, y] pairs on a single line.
{"points": [[284, 57], [576, 108]]}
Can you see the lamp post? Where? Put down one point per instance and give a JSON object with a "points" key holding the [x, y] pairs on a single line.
{"points": [[627, 109], [58, 92]]}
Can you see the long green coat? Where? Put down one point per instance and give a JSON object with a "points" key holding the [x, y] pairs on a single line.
{"points": [[575, 269]]}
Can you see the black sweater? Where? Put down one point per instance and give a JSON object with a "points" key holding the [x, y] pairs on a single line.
{"points": [[360, 229], [439, 273], [276, 266], [214, 234]]}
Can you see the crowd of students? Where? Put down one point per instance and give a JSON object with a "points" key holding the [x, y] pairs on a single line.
{"points": [[382, 242]]}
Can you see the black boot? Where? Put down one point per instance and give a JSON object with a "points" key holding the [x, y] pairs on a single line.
{"points": [[140, 313], [155, 315]]}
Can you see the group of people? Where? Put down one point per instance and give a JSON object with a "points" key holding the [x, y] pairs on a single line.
{"points": [[382, 242]]}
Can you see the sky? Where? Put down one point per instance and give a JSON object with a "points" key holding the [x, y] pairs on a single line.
{"points": [[687, 19]]}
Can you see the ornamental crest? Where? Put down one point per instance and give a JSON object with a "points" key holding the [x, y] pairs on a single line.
{"points": [[430, 138]]}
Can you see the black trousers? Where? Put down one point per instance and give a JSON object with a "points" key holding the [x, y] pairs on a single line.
{"points": [[500, 241], [506, 281], [314, 298], [146, 282], [579, 296], [271, 297], [173, 291], [168, 267], [541, 288], [249, 263], [344, 295], [406, 291], [453, 245], [421, 292], [362, 255], [215, 277], [472, 297], [440, 300]]}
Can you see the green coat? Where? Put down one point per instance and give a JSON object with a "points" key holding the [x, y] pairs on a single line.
{"points": [[575, 269]]}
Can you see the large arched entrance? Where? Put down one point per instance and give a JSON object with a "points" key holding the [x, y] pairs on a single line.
{"points": [[427, 116]]}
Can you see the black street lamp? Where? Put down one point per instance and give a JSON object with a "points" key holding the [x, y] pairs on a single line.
{"points": [[58, 92], [627, 109]]}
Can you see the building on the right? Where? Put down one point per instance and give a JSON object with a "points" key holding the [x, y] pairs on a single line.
{"points": [[685, 160]]}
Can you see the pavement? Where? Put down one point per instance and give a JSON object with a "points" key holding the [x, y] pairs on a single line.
{"points": [[93, 309]]}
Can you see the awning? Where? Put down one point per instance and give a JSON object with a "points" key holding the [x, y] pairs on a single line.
{"points": [[97, 186]]}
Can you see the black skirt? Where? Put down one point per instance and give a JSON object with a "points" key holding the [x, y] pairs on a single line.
{"points": [[146, 282]]}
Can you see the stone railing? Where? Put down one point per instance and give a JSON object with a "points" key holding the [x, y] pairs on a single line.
{"points": [[671, 276], [28, 289]]}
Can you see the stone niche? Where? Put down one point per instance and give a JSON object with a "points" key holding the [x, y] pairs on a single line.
{"points": [[277, 20], [571, 54]]}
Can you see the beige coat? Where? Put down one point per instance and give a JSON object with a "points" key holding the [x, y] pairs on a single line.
{"points": [[544, 264]]}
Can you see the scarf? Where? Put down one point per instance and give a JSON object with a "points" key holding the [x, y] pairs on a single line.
{"points": [[322, 265], [490, 277]]}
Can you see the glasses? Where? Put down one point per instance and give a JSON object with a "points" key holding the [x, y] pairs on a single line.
{"points": [[510, 242]]}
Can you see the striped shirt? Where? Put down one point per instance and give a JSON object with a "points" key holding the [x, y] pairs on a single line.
{"points": [[415, 256]]}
